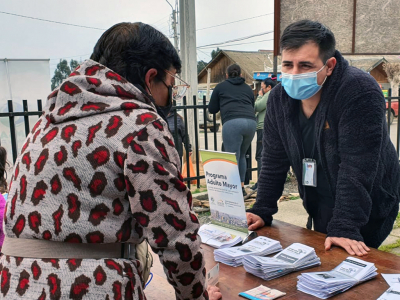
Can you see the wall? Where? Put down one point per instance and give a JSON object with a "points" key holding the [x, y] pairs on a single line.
{"points": [[377, 22]]}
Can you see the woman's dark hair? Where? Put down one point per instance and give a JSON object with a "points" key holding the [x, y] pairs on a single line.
{"points": [[233, 71], [270, 81], [3, 162], [302, 32], [131, 49]]}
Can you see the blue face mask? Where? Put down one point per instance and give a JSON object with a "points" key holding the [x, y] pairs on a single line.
{"points": [[301, 86]]}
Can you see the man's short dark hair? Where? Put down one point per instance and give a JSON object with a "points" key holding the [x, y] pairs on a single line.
{"points": [[131, 49], [302, 32], [233, 71]]}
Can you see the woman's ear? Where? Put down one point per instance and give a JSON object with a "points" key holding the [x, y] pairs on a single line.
{"points": [[149, 78]]}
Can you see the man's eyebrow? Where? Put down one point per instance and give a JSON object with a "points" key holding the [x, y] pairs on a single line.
{"points": [[287, 62], [306, 62]]}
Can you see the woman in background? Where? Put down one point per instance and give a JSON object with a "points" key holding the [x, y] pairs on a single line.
{"points": [[235, 99], [260, 108]]}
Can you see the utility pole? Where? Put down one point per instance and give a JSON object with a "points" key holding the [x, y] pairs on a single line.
{"points": [[188, 54], [174, 26]]}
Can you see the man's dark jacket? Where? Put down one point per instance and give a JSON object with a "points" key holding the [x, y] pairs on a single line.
{"points": [[353, 144]]}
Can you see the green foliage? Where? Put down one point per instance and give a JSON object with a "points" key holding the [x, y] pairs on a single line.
{"points": [[214, 53], [397, 222], [62, 72], [201, 65], [388, 248], [196, 191]]}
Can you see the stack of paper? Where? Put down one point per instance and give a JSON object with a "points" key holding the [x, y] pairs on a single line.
{"points": [[293, 258], [217, 238], [350, 272], [262, 293], [393, 293], [260, 246]]}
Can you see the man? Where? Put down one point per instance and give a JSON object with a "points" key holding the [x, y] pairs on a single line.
{"points": [[327, 121], [260, 107]]}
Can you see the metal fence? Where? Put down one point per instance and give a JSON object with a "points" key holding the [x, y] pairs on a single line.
{"points": [[185, 108]]}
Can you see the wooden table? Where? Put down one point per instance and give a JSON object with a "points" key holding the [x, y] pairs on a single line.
{"points": [[232, 280]]}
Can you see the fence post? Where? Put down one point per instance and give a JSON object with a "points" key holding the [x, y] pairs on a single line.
{"points": [[388, 110], [26, 117], [196, 140], [205, 122], [398, 128], [12, 131]]}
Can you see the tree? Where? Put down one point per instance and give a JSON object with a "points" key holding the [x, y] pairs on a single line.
{"points": [[214, 53], [62, 72], [73, 64], [201, 65]]}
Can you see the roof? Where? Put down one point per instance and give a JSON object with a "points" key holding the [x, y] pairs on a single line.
{"points": [[249, 61], [369, 62], [262, 61]]}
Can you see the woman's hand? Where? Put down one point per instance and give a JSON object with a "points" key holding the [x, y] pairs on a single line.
{"points": [[260, 93], [213, 292]]}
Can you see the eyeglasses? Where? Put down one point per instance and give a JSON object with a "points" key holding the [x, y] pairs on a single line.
{"points": [[179, 88]]}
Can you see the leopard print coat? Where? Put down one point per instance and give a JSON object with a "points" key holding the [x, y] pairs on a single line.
{"points": [[100, 166]]}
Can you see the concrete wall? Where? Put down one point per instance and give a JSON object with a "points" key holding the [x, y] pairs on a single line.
{"points": [[377, 22]]}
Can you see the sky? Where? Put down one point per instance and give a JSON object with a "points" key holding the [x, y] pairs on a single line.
{"points": [[27, 38]]}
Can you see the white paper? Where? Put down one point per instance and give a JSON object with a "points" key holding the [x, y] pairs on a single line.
{"points": [[392, 293], [213, 275], [392, 279], [224, 190], [262, 293]]}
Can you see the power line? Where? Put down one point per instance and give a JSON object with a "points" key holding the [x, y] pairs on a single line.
{"points": [[241, 44], [234, 22], [237, 40], [50, 21]]}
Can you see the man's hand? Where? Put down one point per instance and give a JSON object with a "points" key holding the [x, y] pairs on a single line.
{"points": [[260, 93], [213, 292], [254, 222], [351, 246]]}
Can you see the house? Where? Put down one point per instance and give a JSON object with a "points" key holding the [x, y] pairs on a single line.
{"points": [[249, 61], [258, 65]]}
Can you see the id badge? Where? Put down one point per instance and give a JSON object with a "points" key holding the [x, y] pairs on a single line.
{"points": [[309, 172]]}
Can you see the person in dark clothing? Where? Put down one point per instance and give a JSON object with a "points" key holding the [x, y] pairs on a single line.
{"points": [[336, 141], [235, 99], [3, 173], [260, 107], [180, 133]]}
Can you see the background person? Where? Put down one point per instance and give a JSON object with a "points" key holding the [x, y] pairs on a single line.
{"points": [[98, 171], [235, 99], [332, 115], [3, 173], [179, 131], [3, 190], [260, 108]]}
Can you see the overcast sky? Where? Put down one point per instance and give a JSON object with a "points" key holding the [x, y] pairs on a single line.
{"points": [[27, 38]]}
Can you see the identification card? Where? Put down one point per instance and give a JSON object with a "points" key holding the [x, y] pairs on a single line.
{"points": [[213, 276], [309, 172]]}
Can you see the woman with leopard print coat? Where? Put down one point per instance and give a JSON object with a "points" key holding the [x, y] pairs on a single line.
{"points": [[100, 169]]}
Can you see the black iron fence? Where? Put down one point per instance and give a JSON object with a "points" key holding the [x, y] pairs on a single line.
{"points": [[208, 123]]}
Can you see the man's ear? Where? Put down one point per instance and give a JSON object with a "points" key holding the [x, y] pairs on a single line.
{"points": [[149, 78], [330, 65]]}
